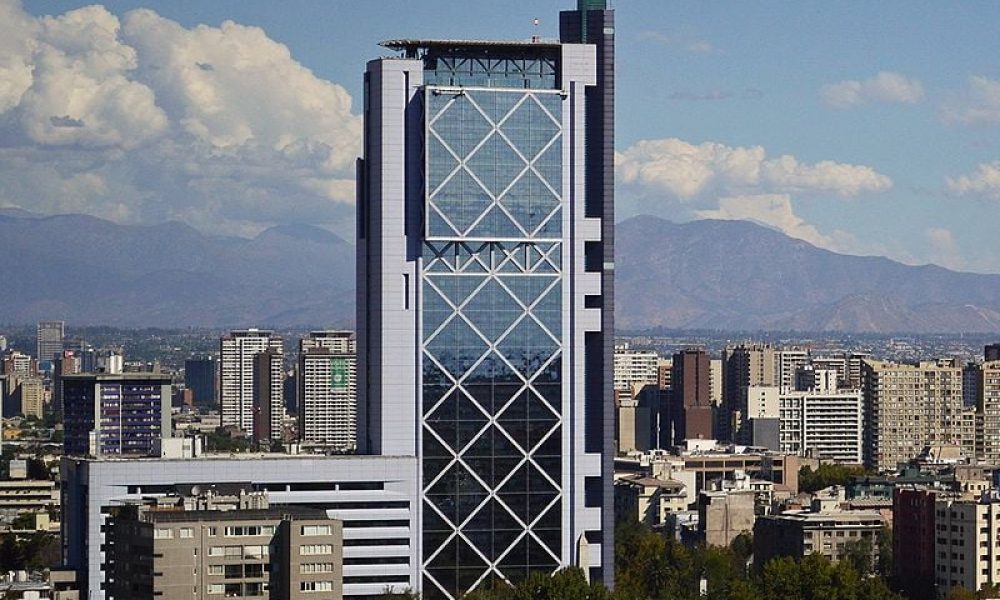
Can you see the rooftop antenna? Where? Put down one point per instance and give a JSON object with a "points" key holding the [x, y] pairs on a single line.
{"points": [[535, 38]]}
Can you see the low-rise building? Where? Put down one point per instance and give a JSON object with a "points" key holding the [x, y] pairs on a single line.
{"points": [[725, 514], [279, 551], [374, 496], [28, 495], [803, 532], [649, 499]]}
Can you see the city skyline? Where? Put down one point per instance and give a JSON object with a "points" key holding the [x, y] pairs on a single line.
{"points": [[841, 127]]}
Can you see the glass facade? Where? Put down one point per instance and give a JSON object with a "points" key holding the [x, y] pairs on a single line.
{"points": [[492, 336]]}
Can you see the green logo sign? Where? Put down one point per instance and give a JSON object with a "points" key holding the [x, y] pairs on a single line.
{"points": [[338, 373]]}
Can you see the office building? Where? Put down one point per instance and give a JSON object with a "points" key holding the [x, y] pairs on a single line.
{"points": [[115, 415], [909, 407], [913, 511], [485, 273], [823, 424], [236, 379], [268, 394], [375, 497], [327, 390], [966, 536], [49, 340], [65, 363], [992, 351], [971, 379], [692, 414], [164, 549], [743, 365], [200, 376]]}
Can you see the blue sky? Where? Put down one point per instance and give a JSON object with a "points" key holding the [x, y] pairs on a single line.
{"points": [[867, 128]]}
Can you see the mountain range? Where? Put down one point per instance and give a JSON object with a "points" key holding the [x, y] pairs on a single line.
{"points": [[723, 275]]}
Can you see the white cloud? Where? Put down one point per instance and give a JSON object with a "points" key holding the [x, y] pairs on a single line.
{"points": [[885, 86], [17, 39], [690, 171], [978, 104], [944, 250], [984, 181], [674, 178], [774, 210], [142, 119]]}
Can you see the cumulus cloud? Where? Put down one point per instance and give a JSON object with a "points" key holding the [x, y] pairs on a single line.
{"points": [[774, 210], [710, 180], [943, 249], [978, 104], [885, 86], [689, 171], [984, 181], [141, 119]]}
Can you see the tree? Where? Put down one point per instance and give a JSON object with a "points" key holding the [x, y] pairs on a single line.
{"points": [[827, 475], [859, 554], [960, 593]]}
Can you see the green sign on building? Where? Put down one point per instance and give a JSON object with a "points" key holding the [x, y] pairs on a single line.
{"points": [[338, 373]]}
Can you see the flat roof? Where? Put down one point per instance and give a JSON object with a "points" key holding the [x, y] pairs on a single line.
{"points": [[118, 376], [239, 456], [275, 512], [412, 43]]}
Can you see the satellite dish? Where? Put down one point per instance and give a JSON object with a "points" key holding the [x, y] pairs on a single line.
{"points": [[195, 490]]}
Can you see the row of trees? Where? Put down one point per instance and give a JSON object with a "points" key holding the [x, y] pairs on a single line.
{"points": [[651, 566]]}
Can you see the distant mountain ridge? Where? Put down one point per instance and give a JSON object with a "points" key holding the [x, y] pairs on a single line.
{"points": [[723, 275], [91, 271], [736, 275]]}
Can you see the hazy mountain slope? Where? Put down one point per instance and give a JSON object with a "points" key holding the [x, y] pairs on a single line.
{"points": [[90, 271], [704, 274], [738, 275]]}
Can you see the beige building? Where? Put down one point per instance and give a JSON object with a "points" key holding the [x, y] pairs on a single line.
{"points": [[650, 500], [31, 392], [635, 369], [988, 408], [909, 407], [279, 552], [799, 533], [28, 495], [725, 514], [966, 536]]}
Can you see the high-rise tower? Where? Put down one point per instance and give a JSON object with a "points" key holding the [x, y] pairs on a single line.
{"points": [[239, 369], [485, 265]]}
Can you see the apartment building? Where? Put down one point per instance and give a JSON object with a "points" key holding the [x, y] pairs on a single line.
{"points": [[909, 407], [276, 552], [823, 424], [966, 536]]}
